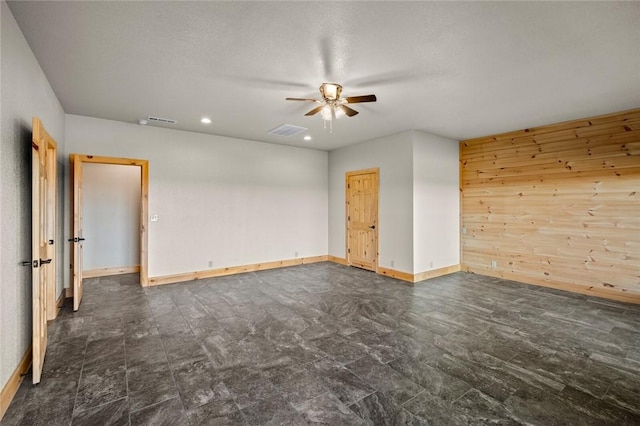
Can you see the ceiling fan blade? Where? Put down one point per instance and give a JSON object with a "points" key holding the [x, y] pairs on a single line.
{"points": [[360, 99], [315, 110], [348, 111], [301, 99]]}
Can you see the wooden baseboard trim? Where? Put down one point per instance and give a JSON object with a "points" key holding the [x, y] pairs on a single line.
{"points": [[60, 301], [574, 288], [105, 272], [399, 275], [232, 270], [11, 387], [405, 276], [338, 260], [426, 275]]}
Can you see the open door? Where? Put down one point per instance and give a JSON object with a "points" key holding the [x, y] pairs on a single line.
{"points": [[77, 240], [43, 183], [362, 219]]}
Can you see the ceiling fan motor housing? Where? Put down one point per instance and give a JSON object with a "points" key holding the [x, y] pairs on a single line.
{"points": [[331, 91]]}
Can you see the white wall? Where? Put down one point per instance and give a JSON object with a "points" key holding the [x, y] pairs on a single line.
{"points": [[25, 92], [419, 212], [111, 215], [219, 199], [393, 155], [436, 202]]}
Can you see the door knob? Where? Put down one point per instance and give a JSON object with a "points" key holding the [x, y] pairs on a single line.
{"points": [[45, 261], [26, 263], [372, 227]]}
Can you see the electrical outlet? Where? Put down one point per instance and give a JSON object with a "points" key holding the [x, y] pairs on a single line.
{"points": [[431, 264], [464, 229], [393, 263], [296, 255], [210, 263], [154, 218], [494, 264]]}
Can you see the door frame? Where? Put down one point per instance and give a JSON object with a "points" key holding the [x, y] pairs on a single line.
{"points": [[347, 191], [144, 203]]}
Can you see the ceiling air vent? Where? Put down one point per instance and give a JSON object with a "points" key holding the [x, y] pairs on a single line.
{"points": [[286, 130], [162, 120]]}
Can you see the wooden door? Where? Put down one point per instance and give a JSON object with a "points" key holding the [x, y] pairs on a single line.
{"points": [[362, 219], [43, 227], [78, 239]]}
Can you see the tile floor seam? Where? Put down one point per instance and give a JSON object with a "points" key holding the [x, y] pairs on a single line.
{"points": [[126, 370], [364, 397], [170, 369], [75, 399], [98, 406], [466, 392], [153, 405], [424, 391], [175, 384]]}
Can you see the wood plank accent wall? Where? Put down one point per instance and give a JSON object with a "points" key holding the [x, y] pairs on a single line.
{"points": [[557, 206]]}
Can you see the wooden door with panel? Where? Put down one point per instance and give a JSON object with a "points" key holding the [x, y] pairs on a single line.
{"points": [[362, 219]]}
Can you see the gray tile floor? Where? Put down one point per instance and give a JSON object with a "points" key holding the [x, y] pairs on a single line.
{"points": [[329, 344]]}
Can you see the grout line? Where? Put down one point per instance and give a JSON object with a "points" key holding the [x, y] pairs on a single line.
{"points": [[126, 370], [99, 405], [155, 404], [175, 384], [358, 400], [75, 399], [466, 392], [415, 396]]}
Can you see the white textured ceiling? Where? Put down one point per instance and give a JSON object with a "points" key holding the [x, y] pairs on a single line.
{"points": [[455, 69]]}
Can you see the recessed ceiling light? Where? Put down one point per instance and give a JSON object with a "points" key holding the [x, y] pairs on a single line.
{"points": [[205, 120], [307, 138]]}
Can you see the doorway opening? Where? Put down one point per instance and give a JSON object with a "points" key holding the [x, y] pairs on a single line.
{"points": [[81, 164]]}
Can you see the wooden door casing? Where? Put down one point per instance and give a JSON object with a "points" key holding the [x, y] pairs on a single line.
{"points": [[362, 218], [77, 161]]}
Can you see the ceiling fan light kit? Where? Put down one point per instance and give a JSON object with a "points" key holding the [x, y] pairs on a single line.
{"points": [[332, 106]]}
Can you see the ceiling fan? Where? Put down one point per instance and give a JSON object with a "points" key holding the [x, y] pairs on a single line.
{"points": [[332, 105]]}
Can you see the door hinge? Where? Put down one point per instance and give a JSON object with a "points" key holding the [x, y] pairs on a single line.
{"points": [[348, 250], [348, 217]]}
